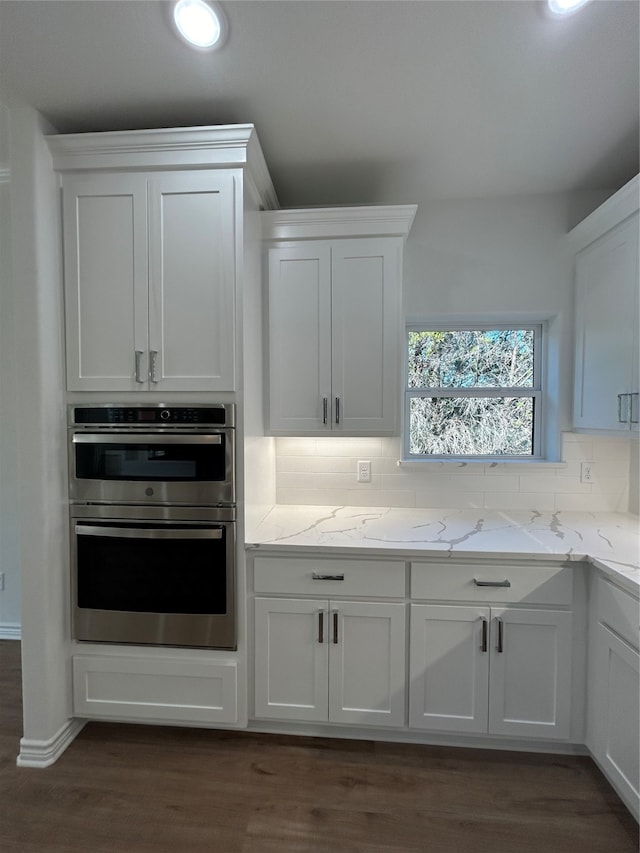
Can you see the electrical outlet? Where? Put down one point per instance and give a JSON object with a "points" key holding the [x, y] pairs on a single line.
{"points": [[364, 471], [586, 472]]}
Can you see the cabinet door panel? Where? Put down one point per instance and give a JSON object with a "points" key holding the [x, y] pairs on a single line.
{"points": [[614, 710], [300, 337], [192, 277], [449, 669], [606, 326], [531, 678], [291, 675], [366, 664], [365, 329], [105, 260]]}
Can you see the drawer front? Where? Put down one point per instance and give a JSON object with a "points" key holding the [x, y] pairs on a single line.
{"points": [[619, 611], [501, 582], [133, 689], [329, 578]]}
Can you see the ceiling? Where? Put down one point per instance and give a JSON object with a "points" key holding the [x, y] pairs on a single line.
{"points": [[354, 102]]}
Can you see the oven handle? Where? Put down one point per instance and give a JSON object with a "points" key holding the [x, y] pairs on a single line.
{"points": [[136, 438], [146, 533]]}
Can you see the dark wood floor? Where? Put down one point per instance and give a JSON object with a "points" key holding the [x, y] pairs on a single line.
{"points": [[148, 788]]}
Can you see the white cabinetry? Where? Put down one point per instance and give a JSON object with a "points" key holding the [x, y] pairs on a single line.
{"points": [[607, 317], [152, 232], [334, 320], [149, 281], [503, 670], [329, 659], [177, 689], [613, 707]]}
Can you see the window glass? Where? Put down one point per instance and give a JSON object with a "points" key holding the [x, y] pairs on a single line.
{"points": [[473, 392]]}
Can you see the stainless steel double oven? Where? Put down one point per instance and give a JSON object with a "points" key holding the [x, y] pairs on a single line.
{"points": [[153, 518]]}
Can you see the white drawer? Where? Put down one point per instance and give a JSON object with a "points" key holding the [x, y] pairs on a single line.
{"points": [[619, 611], [159, 689], [549, 585], [329, 578]]}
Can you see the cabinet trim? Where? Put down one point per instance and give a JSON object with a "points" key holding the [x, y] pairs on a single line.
{"points": [[328, 222]]}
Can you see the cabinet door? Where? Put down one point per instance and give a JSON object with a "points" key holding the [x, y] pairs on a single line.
{"points": [[192, 281], [367, 663], [614, 711], [365, 310], [105, 281], [449, 664], [607, 328], [300, 338], [530, 685], [291, 659]]}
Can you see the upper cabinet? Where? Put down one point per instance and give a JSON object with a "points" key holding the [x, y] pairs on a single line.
{"points": [[335, 279], [151, 255], [606, 316]]}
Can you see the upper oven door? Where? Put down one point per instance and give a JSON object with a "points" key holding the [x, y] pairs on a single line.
{"points": [[196, 469]]}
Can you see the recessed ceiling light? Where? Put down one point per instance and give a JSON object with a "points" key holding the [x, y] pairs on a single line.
{"points": [[198, 23], [562, 8]]}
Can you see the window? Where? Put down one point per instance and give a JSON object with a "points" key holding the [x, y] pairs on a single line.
{"points": [[473, 392]]}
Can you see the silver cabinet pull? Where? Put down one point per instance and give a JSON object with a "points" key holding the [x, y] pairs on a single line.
{"points": [[153, 354], [321, 627], [317, 577], [337, 410], [325, 409], [139, 354], [335, 626], [485, 636], [623, 414], [500, 645], [505, 583], [634, 408]]}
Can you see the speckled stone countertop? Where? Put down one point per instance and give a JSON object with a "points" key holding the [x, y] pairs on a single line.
{"points": [[610, 541]]}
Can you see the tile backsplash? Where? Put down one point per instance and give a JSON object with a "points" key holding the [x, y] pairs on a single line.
{"points": [[322, 471]]}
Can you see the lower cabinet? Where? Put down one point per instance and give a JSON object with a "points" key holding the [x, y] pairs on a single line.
{"points": [[613, 708], [329, 660], [496, 670], [177, 690]]}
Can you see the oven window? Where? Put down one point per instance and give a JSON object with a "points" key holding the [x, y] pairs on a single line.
{"points": [[177, 575], [147, 462]]}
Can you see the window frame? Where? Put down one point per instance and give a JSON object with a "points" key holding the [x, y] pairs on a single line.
{"points": [[537, 391]]}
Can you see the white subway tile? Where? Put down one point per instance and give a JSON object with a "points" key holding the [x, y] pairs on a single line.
{"points": [[312, 497], [449, 499], [532, 501], [357, 447], [296, 446], [554, 485], [586, 503], [611, 449], [381, 497]]}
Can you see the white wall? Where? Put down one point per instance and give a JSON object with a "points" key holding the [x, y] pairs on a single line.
{"points": [[498, 258], [10, 600], [41, 439]]}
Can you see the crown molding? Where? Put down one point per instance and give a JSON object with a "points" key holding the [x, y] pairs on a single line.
{"points": [[213, 146], [611, 212], [336, 222]]}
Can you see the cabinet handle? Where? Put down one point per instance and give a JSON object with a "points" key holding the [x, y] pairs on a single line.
{"points": [[624, 419], [325, 404], [485, 636], [321, 627], [153, 354], [500, 646], [316, 577], [335, 626], [505, 583], [138, 368], [635, 397], [337, 410]]}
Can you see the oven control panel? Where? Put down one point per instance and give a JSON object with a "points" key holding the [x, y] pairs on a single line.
{"points": [[161, 415]]}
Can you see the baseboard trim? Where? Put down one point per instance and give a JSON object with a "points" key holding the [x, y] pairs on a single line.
{"points": [[10, 631], [43, 753]]}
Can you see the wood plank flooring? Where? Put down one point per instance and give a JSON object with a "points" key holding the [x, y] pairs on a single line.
{"points": [[147, 788]]}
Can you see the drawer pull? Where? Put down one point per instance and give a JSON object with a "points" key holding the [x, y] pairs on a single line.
{"points": [[316, 577], [504, 583], [321, 627], [335, 626], [485, 636], [500, 646]]}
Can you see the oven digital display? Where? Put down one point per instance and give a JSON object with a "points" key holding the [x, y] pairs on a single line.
{"points": [[146, 415]]}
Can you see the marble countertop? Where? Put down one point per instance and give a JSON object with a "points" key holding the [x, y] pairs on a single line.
{"points": [[611, 541]]}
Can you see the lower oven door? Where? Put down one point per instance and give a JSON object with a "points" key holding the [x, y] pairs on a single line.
{"points": [[167, 583]]}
